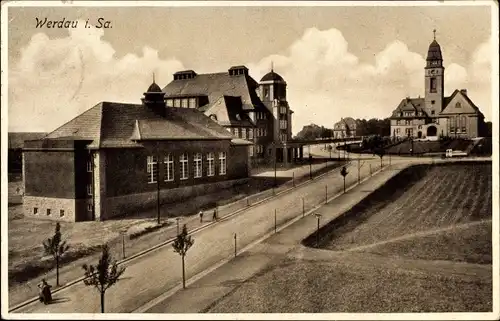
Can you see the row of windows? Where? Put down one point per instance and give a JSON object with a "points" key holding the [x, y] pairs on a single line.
{"points": [[48, 212], [245, 133], [182, 102], [283, 137], [283, 110], [168, 162], [458, 124], [248, 133], [410, 114], [261, 115], [283, 124], [259, 149], [260, 132]]}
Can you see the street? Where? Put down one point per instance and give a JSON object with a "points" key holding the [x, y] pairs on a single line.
{"points": [[150, 276]]}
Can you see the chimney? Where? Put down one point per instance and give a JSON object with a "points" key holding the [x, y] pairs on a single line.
{"points": [[464, 92]]}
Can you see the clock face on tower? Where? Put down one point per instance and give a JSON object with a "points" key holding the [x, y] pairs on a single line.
{"points": [[433, 72]]}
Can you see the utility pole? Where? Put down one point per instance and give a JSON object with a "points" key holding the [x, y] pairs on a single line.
{"points": [[235, 245], [158, 182], [275, 222]]}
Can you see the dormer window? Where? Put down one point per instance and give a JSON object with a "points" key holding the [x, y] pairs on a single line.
{"points": [[238, 70], [187, 74]]}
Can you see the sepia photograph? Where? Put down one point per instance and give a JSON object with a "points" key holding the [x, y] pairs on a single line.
{"points": [[250, 160]]}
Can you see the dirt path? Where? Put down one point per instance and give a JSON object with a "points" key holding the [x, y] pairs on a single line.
{"points": [[418, 234]]}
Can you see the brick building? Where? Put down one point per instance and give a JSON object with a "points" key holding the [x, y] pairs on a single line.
{"points": [[434, 114], [251, 110], [116, 158]]}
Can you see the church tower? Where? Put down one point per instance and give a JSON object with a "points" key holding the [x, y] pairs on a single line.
{"points": [[434, 79]]}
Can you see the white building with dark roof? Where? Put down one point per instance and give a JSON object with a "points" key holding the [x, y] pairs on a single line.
{"points": [[434, 114]]}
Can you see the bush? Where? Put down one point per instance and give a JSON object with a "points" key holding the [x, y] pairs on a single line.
{"points": [[147, 230]]}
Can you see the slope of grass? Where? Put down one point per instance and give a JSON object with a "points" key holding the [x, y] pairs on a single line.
{"points": [[421, 243], [329, 287], [471, 243]]}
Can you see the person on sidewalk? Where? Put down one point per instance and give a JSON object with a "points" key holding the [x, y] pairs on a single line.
{"points": [[45, 295], [201, 216], [214, 218]]}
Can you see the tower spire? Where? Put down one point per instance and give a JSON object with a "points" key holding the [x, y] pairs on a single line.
{"points": [[272, 66], [434, 31], [153, 77]]}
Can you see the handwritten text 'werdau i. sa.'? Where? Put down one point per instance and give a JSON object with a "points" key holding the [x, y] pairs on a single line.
{"points": [[63, 23]]}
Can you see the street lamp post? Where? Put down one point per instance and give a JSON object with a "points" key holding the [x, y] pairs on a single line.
{"points": [[310, 166], [317, 230], [235, 251], [274, 147], [177, 220], [123, 243], [158, 183]]}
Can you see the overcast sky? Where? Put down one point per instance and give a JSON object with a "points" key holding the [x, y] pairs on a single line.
{"points": [[337, 61]]}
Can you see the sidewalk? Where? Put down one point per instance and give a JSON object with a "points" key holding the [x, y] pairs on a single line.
{"points": [[202, 294], [72, 271]]}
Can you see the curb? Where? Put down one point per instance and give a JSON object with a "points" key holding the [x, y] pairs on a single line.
{"points": [[142, 253]]}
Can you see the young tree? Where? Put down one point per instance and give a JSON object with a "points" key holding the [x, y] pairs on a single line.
{"points": [[103, 275], [380, 152], [344, 173], [181, 245], [56, 247]]}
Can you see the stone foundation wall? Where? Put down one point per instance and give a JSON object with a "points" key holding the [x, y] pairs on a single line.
{"points": [[122, 205], [55, 205]]}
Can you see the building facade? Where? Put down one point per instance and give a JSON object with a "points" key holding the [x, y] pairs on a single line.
{"points": [[434, 114], [118, 158], [250, 110]]}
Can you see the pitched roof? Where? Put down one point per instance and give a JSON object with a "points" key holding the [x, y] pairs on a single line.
{"points": [[410, 104], [447, 100], [228, 111], [17, 139], [215, 85], [110, 124], [348, 121]]}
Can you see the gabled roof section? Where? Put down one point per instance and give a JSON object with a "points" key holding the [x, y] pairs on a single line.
{"points": [[216, 85], [85, 126], [449, 99], [114, 125], [410, 104], [228, 111]]}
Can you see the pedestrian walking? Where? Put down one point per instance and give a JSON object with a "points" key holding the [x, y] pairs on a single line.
{"points": [[201, 216], [215, 215]]}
